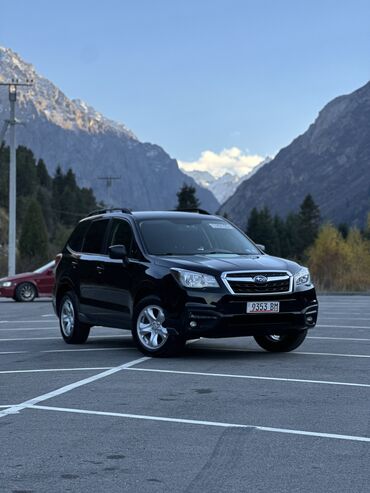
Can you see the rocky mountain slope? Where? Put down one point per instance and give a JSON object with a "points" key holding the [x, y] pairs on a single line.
{"points": [[72, 134], [331, 161]]}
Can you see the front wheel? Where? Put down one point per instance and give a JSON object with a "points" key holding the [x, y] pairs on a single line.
{"points": [[25, 291], [73, 331], [282, 342], [149, 329]]}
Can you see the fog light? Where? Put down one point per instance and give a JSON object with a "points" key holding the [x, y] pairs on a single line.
{"points": [[193, 324], [309, 319]]}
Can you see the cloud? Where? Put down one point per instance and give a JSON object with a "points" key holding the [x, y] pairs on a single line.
{"points": [[231, 160]]}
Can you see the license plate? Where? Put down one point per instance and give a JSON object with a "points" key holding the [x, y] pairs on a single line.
{"points": [[263, 306]]}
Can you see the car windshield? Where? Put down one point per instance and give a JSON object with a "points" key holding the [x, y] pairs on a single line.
{"points": [[194, 236], [45, 267]]}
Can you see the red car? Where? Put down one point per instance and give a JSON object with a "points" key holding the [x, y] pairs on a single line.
{"points": [[30, 285]]}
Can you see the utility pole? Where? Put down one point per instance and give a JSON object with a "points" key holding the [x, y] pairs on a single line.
{"points": [[109, 181], [12, 88]]}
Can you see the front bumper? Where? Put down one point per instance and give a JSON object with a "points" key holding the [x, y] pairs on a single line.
{"points": [[227, 316], [7, 292]]}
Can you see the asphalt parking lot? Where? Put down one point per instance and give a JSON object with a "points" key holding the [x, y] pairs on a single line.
{"points": [[225, 416]]}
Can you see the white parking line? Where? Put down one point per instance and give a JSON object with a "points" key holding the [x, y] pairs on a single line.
{"points": [[9, 372], [251, 377], [295, 353], [345, 326], [203, 423], [34, 329], [89, 349], [50, 315], [350, 318], [13, 352], [62, 390], [24, 321], [108, 336], [340, 338], [6, 405]]}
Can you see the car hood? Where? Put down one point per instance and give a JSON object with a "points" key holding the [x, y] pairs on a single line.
{"points": [[18, 277], [222, 263]]}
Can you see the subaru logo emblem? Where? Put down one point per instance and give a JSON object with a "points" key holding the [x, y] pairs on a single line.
{"points": [[260, 279]]}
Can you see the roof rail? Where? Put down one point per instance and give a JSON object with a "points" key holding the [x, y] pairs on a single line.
{"points": [[104, 211], [197, 211]]}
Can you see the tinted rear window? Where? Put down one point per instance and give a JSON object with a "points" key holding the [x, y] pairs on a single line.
{"points": [[94, 239]]}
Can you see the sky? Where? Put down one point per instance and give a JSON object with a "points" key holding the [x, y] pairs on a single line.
{"points": [[219, 84]]}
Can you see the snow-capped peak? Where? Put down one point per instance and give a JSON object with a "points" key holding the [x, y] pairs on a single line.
{"points": [[44, 98]]}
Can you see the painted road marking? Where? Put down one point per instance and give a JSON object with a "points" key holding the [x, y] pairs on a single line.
{"points": [[9, 372], [203, 423], [67, 388], [60, 338], [215, 348], [251, 377]]}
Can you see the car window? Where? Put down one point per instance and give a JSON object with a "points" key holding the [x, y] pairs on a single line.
{"points": [[94, 239], [76, 238], [194, 236], [45, 267], [120, 234]]}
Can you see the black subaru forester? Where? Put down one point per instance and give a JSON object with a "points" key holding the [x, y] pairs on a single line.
{"points": [[174, 276]]}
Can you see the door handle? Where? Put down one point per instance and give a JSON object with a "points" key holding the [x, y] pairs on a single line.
{"points": [[100, 269]]}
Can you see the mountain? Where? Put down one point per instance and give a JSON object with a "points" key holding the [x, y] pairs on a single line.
{"points": [[71, 133], [331, 161], [223, 186]]}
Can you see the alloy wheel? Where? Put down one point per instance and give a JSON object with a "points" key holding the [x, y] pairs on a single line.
{"points": [[150, 328], [67, 317]]}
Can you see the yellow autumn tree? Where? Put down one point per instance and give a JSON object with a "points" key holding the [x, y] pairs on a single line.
{"points": [[339, 264]]}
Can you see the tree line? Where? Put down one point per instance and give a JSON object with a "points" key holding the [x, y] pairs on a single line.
{"points": [[48, 207], [337, 256]]}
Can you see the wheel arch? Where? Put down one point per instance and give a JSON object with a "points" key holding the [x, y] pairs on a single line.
{"points": [[62, 289]]}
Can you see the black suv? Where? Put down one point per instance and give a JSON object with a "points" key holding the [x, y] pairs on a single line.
{"points": [[174, 276]]}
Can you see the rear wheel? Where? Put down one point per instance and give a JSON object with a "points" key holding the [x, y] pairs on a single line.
{"points": [[282, 342], [25, 291], [149, 329], [72, 330]]}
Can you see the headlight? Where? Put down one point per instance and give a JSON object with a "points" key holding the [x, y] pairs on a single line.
{"points": [[5, 284], [302, 277], [190, 279]]}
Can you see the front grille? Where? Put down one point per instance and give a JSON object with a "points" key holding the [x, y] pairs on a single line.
{"points": [[244, 282], [231, 275]]}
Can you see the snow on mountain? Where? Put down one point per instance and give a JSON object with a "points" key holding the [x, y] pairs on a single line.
{"points": [[223, 186], [49, 101], [70, 133]]}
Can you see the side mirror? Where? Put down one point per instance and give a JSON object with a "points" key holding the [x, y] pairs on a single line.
{"points": [[118, 252], [261, 247]]}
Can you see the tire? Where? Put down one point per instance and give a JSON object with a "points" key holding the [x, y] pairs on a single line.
{"points": [[25, 292], [154, 339], [281, 343], [72, 330]]}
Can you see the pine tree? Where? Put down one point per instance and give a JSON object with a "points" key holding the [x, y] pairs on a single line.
{"points": [[43, 175], [262, 230], [187, 198], [33, 242], [309, 224]]}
